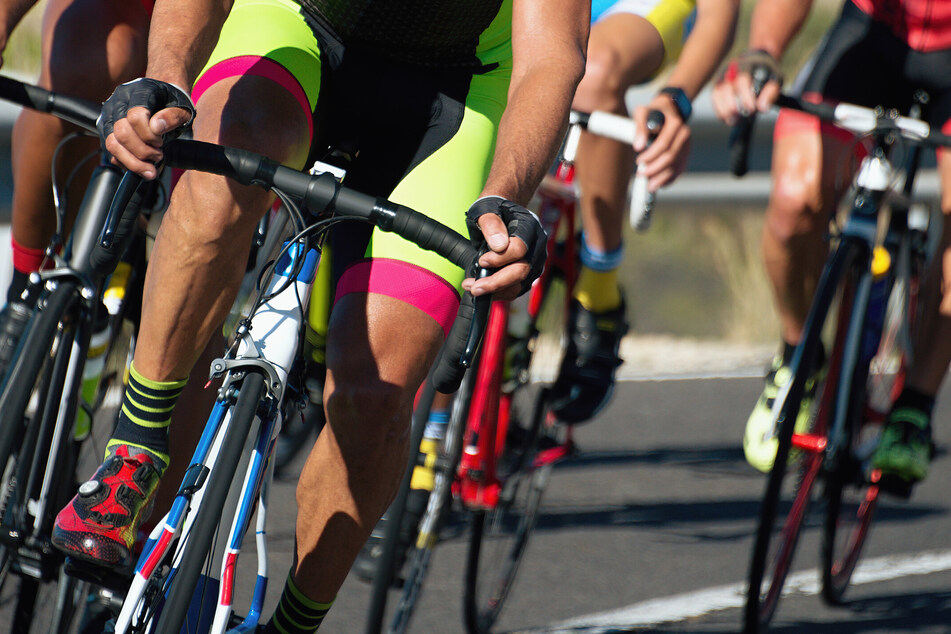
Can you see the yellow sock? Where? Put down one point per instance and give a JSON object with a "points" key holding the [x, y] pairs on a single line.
{"points": [[598, 291], [423, 475]]}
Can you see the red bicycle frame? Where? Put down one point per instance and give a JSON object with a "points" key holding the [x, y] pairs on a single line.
{"points": [[478, 479]]}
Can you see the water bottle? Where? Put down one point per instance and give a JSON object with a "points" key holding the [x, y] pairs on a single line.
{"points": [[877, 301], [92, 373]]}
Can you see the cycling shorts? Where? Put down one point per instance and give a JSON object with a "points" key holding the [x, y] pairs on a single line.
{"points": [[673, 19], [863, 61], [421, 136]]}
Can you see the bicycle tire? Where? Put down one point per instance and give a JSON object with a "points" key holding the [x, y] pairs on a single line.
{"points": [[499, 537], [45, 372], [197, 548], [792, 479], [437, 511], [852, 492]]}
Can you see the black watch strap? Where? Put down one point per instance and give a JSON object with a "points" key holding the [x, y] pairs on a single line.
{"points": [[680, 100]]}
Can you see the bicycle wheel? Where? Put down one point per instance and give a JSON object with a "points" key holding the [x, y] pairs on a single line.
{"points": [[437, 511], [499, 536], [197, 545], [40, 425], [801, 453], [852, 491]]}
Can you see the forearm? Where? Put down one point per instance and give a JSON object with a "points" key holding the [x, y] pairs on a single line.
{"points": [[549, 40], [775, 23], [530, 132], [182, 36], [708, 43]]}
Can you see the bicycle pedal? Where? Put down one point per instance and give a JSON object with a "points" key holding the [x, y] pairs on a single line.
{"points": [[112, 579]]}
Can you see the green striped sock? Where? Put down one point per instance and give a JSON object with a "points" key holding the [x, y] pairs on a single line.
{"points": [[144, 417], [295, 613]]}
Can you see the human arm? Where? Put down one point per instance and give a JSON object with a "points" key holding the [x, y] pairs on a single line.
{"points": [[705, 47], [11, 12], [549, 39], [773, 26], [183, 34]]}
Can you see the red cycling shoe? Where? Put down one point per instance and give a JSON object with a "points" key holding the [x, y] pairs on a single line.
{"points": [[101, 522]]}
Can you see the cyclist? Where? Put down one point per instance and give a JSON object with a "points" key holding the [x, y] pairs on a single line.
{"points": [[82, 57], [631, 42], [877, 53], [440, 106]]}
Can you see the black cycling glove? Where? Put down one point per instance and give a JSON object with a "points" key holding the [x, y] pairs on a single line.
{"points": [[151, 94], [521, 224]]}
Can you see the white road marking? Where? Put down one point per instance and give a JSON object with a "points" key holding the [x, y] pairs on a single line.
{"points": [[694, 604]]}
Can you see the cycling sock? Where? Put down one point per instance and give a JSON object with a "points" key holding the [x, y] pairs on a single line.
{"points": [[790, 348], [915, 399], [144, 417], [598, 291], [295, 613], [25, 261], [424, 474], [597, 287]]}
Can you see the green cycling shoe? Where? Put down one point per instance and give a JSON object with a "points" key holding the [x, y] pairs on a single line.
{"points": [[905, 450]]}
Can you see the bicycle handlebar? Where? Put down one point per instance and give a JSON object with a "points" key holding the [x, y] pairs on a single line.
{"points": [[318, 192], [323, 192], [856, 119], [863, 120], [82, 112]]}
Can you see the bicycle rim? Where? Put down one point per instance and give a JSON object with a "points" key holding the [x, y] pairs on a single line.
{"points": [[437, 511], [499, 536], [197, 548], [800, 455], [47, 600], [852, 498]]}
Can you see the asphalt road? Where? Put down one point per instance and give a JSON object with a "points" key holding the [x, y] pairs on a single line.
{"points": [[650, 529], [654, 522]]}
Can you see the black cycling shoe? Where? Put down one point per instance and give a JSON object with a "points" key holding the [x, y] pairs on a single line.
{"points": [[13, 320], [368, 561], [586, 378]]}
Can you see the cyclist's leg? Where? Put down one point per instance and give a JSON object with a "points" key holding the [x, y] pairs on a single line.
{"points": [[628, 45], [403, 294], [807, 177], [88, 47], [906, 448], [248, 101]]}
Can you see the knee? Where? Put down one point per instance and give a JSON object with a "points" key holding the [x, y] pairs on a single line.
{"points": [[795, 208], [369, 417], [603, 86]]}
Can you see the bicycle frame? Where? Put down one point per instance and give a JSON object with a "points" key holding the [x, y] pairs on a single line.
{"points": [[268, 344], [488, 422]]}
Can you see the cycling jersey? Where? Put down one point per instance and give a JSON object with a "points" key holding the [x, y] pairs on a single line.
{"points": [[673, 19], [863, 61], [433, 32], [421, 131], [925, 25]]}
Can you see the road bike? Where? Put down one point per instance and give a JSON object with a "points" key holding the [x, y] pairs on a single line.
{"points": [[185, 576], [54, 388], [502, 440], [862, 322]]}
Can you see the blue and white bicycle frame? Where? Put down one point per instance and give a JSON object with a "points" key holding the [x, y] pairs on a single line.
{"points": [[270, 345]]}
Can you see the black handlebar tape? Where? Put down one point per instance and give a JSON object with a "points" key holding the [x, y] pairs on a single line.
{"points": [[120, 224], [655, 121], [742, 131], [79, 111], [825, 111], [448, 372]]}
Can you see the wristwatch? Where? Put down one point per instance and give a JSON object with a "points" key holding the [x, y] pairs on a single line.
{"points": [[680, 100]]}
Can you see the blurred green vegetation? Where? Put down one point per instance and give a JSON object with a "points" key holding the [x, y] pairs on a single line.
{"points": [[22, 54], [695, 273]]}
